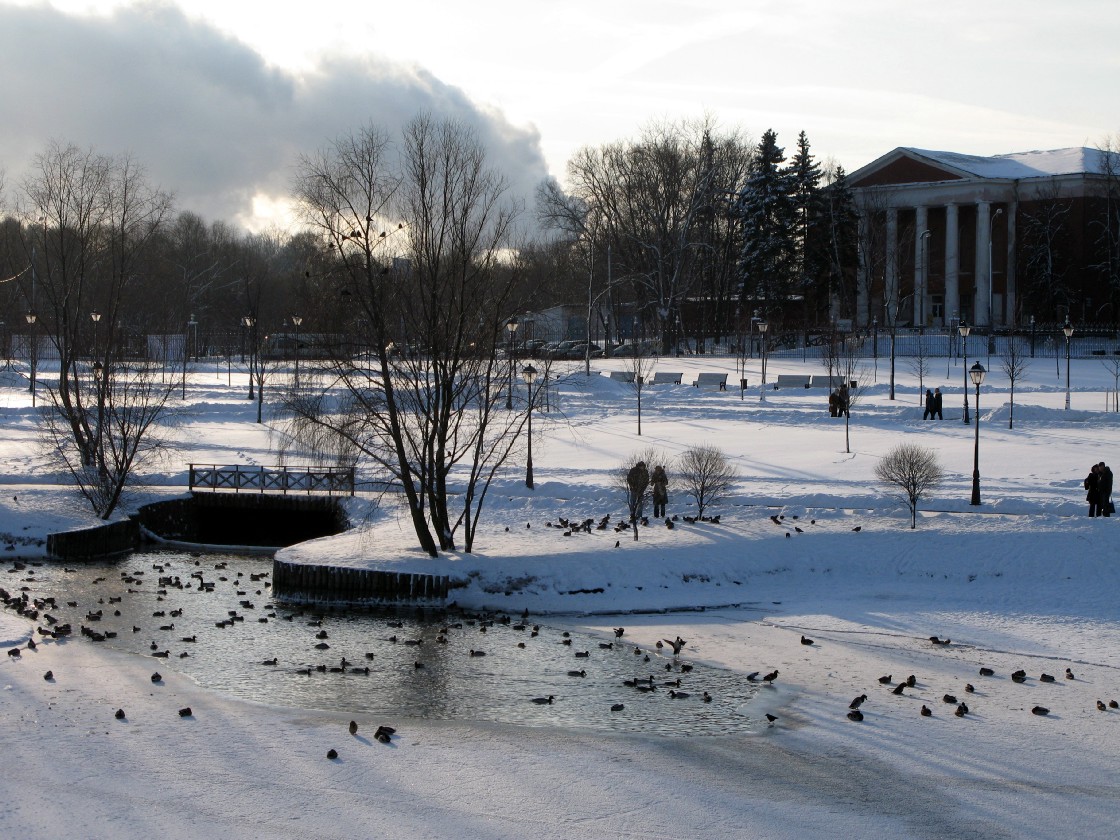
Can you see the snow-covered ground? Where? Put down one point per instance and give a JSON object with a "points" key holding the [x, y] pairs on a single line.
{"points": [[1025, 581]]}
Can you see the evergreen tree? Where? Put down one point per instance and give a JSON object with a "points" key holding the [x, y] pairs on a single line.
{"points": [[839, 228], [811, 253], [766, 214]]}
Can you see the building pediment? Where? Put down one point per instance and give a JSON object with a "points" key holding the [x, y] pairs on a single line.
{"points": [[904, 166]]}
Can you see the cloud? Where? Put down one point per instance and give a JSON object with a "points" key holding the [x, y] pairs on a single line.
{"points": [[205, 114]]}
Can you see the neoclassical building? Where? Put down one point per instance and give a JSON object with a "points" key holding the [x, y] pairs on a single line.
{"points": [[944, 236]]}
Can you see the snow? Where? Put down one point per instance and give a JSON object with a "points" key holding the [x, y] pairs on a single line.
{"points": [[1024, 581], [1017, 165]]}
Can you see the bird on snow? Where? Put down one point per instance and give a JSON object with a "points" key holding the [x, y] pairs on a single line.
{"points": [[898, 689], [769, 678], [676, 645], [1041, 711], [969, 688], [987, 672], [961, 711], [857, 702], [1019, 676], [119, 715], [1069, 674], [806, 641], [1101, 706], [49, 676], [885, 680], [855, 714], [1112, 704], [1046, 678], [911, 681], [926, 712]]}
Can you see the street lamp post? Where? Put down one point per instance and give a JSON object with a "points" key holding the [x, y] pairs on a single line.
{"points": [[529, 373], [1032, 336], [977, 373], [964, 329], [1068, 330], [511, 329], [33, 350], [875, 345], [95, 316], [762, 327], [297, 320], [186, 353], [250, 322]]}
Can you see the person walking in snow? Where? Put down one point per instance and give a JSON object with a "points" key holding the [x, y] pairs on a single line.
{"points": [[937, 403], [1104, 489], [659, 487], [928, 413], [1092, 482]]}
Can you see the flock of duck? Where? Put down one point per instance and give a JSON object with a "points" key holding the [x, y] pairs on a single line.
{"points": [[98, 617]]}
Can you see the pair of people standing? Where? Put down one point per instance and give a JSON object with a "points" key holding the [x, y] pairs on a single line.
{"points": [[638, 479], [933, 405], [1098, 490]]}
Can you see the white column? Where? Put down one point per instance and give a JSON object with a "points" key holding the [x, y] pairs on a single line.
{"points": [[890, 280], [1009, 301], [983, 268], [952, 265], [863, 275], [921, 259]]}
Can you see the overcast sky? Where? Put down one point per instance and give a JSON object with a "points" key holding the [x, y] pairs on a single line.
{"points": [[217, 97]]}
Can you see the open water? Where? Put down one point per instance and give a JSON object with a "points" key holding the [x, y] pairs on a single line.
{"points": [[213, 617]]}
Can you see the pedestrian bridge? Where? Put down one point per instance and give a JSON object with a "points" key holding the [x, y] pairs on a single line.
{"points": [[237, 478]]}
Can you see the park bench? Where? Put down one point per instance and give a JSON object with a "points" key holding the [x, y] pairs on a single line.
{"points": [[664, 377], [824, 381], [622, 376], [711, 380], [792, 380]]}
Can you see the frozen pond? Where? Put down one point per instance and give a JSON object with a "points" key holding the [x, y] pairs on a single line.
{"points": [[212, 617]]}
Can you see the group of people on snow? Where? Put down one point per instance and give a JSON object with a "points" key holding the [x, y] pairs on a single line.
{"points": [[638, 480], [1098, 490], [933, 405]]}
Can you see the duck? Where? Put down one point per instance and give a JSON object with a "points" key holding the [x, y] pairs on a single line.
{"points": [[577, 673], [353, 727], [806, 641], [544, 701], [1041, 711], [1069, 674], [679, 695], [885, 680], [769, 678], [926, 712], [987, 672], [898, 689], [617, 707], [1046, 678], [855, 714], [857, 702]]}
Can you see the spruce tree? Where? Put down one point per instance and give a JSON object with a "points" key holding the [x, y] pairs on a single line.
{"points": [[812, 255], [765, 211], [839, 231]]}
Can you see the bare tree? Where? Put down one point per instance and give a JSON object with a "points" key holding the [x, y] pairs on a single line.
{"points": [[637, 497], [640, 368], [1112, 365], [913, 470], [1015, 361], [920, 365], [91, 223], [706, 475], [132, 399], [426, 300]]}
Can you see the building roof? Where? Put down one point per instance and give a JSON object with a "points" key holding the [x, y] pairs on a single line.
{"points": [[1037, 164]]}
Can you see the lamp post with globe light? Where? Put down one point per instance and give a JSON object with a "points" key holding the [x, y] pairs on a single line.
{"points": [[529, 373], [1068, 330], [977, 374], [762, 327], [964, 329], [511, 329]]}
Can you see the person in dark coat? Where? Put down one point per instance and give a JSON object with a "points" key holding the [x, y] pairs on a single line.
{"points": [[843, 401], [1092, 483], [937, 403], [1104, 489], [659, 488], [833, 404], [637, 480], [928, 413]]}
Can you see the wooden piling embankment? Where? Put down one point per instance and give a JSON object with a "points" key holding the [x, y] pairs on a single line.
{"points": [[303, 582], [88, 543]]}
